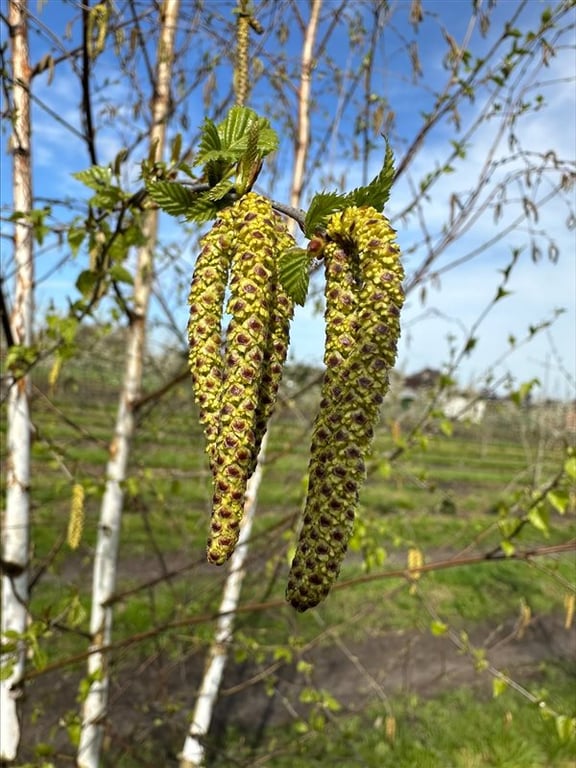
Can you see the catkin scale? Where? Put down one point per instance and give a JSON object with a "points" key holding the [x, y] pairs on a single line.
{"points": [[363, 301]]}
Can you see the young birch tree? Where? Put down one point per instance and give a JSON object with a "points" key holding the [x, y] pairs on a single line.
{"points": [[15, 539], [105, 562]]}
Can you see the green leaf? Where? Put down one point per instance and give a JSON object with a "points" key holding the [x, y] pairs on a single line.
{"points": [[219, 190], [95, 177], [570, 467], [438, 628], [377, 192], [235, 127], [7, 668], [120, 274], [565, 728], [558, 500], [176, 148], [507, 547], [76, 237], [501, 294], [538, 517], [203, 209], [175, 199], [250, 162], [228, 141], [525, 389], [209, 141], [499, 686], [446, 427], [86, 281], [107, 197], [293, 273], [322, 206], [308, 695]]}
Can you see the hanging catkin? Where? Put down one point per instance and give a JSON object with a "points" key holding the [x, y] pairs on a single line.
{"points": [[236, 383], [206, 300], [363, 301]]}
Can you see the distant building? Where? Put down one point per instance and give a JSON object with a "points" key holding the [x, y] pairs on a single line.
{"points": [[460, 406]]}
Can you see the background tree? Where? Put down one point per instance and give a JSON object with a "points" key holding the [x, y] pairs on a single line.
{"points": [[18, 331], [104, 578]]}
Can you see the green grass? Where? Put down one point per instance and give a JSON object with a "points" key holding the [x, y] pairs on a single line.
{"points": [[464, 728], [442, 499]]}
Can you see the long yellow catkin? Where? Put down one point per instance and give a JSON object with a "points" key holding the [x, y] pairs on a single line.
{"points": [[76, 519], [363, 301], [206, 301], [236, 386]]}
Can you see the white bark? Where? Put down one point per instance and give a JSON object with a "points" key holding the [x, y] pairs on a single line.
{"points": [[16, 520], [303, 133], [94, 710], [193, 752]]}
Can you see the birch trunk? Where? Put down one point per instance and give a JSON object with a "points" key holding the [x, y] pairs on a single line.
{"points": [[193, 754], [16, 522], [94, 709]]}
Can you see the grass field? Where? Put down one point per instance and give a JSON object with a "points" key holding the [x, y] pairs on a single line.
{"points": [[444, 495]]}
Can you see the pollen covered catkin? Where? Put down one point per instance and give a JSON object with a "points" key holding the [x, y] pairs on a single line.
{"points": [[276, 349], [256, 343], [363, 301], [206, 301]]}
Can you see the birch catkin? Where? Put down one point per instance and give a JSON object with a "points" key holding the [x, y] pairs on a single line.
{"points": [[363, 301], [76, 519], [236, 387], [206, 300]]}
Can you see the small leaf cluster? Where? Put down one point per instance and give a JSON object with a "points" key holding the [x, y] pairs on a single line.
{"points": [[231, 155]]}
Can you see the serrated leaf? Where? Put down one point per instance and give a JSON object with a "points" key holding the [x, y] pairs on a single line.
{"points": [[95, 177], [203, 209], [107, 198], [175, 199], [223, 157], [250, 161], [293, 273], [209, 141], [235, 127], [322, 206], [377, 192], [219, 190]]}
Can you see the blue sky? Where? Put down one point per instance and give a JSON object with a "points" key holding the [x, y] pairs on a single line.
{"points": [[458, 296]]}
